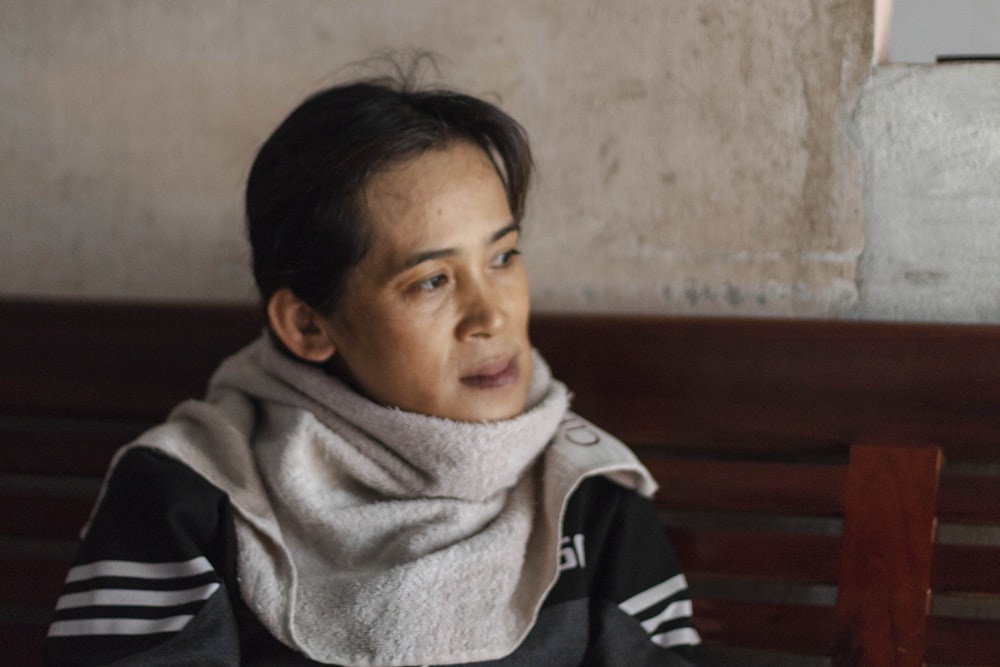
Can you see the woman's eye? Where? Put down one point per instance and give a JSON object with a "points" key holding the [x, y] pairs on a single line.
{"points": [[432, 283], [505, 258]]}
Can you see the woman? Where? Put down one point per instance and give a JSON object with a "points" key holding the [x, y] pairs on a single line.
{"points": [[390, 475]]}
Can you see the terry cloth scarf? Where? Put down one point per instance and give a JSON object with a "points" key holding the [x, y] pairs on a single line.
{"points": [[372, 536]]}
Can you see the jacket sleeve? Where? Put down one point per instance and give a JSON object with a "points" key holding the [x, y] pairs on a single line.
{"points": [[641, 611], [149, 583]]}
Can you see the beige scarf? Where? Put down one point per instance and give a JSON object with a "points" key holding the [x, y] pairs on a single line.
{"points": [[373, 536]]}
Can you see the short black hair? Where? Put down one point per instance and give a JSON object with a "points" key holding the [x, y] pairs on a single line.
{"points": [[304, 199]]}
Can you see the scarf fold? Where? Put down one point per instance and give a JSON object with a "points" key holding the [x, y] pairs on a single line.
{"points": [[373, 536]]}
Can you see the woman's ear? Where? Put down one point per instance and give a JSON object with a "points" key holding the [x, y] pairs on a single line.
{"points": [[299, 327]]}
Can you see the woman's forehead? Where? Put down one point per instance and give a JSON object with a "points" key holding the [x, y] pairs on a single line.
{"points": [[439, 204], [429, 172], [434, 190]]}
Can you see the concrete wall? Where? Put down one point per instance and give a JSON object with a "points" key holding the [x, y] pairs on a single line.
{"points": [[930, 140], [695, 156]]}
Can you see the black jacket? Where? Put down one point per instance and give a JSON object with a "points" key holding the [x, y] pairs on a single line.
{"points": [[155, 583]]}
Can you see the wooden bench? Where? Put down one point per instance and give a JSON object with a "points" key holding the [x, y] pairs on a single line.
{"points": [[832, 488]]}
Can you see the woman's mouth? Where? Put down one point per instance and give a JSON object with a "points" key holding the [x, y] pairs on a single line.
{"points": [[492, 375]]}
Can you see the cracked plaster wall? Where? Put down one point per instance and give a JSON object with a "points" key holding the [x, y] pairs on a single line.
{"points": [[694, 156]]}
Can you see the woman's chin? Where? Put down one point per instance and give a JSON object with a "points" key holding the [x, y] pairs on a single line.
{"points": [[488, 405]]}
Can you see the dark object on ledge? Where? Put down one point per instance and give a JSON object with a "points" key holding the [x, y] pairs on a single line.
{"points": [[968, 58]]}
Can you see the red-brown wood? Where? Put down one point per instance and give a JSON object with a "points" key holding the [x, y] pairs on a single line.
{"points": [[770, 555], [47, 447], [113, 359], [966, 568], [40, 515], [765, 626], [969, 498], [963, 641], [36, 581], [781, 386], [22, 644], [889, 525], [778, 386], [744, 486]]}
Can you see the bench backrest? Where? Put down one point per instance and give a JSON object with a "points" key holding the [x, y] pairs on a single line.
{"points": [[800, 463]]}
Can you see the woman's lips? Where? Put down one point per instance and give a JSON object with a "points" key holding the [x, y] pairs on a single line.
{"points": [[492, 375]]}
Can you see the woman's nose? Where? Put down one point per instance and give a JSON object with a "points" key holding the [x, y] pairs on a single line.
{"points": [[483, 313]]}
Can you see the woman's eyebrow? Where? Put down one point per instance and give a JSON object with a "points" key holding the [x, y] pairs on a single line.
{"points": [[427, 255], [505, 230]]}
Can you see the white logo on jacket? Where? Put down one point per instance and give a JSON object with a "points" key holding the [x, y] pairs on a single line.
{"points": [[579, 431], [571, 554]]}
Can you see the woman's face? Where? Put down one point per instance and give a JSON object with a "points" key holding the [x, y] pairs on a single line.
{"points": [[435, 317]]}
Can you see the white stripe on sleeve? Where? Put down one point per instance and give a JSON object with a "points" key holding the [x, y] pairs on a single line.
{"points": [[688, 636], [135, 598], [118, 626], [675, 610], [657, 593], [126, 568]]}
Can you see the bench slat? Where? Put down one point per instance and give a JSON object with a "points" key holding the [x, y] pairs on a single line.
{"points": [[32, 581], [802, 629], [62, 449], [22, 645], [969, 498], [962, 641], [698, 383], [40, 515], [712, 384], [966, 568], [741, 486], [113, 360], [783, 557]]}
